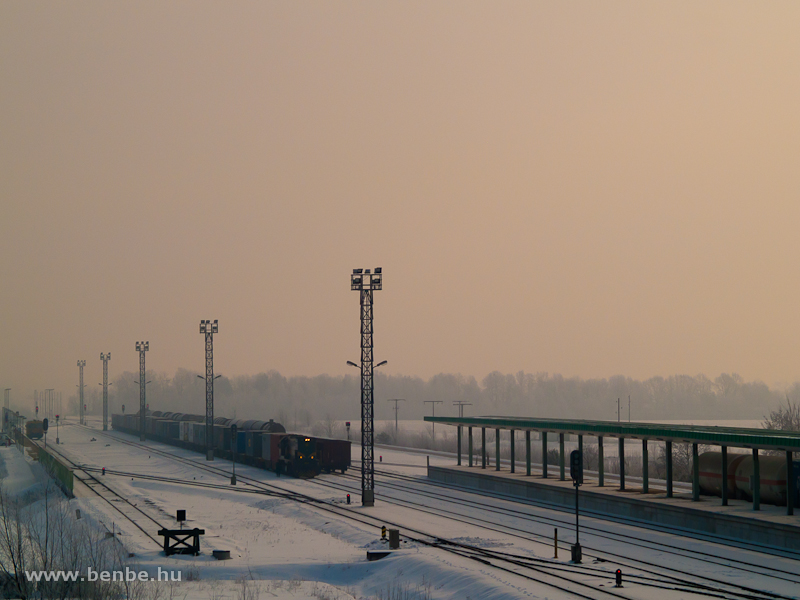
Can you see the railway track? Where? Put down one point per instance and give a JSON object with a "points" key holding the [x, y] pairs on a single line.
{"points": [[546, 572], [592, 553], [128, 510], [568, 522]]}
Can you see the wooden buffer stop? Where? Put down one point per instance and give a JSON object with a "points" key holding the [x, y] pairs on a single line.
{"points": [[176, 541]]}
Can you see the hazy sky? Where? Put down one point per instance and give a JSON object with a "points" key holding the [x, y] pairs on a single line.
{"points": [[591, 188]]}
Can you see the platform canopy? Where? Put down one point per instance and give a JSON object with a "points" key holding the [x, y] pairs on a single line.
{"points": [[737, 437]]}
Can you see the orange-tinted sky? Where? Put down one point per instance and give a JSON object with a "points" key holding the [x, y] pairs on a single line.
{"points": [[584, 188]]}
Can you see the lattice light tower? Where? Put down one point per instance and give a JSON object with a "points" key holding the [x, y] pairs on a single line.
{"points": [[209, 328], [366, 283], [141, 348], [81, 364], [105, 358]]}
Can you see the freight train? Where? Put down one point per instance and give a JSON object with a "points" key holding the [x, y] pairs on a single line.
{"points": [[772, 477], [263, 444], [34, 430]]}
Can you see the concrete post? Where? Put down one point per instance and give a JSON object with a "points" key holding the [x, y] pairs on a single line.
{"points": [[695, 474], [513, 452], [497, 449], [544, 455], [724, 488], [756, 481], [561, 455], [621, 464], [459, 445], [483, 447], [669, 469], [469, 444], [528, 453], [601, 468], [645, 468]]}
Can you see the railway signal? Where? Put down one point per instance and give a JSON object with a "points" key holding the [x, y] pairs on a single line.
{"points": [[45, 425], [619, 578], [57, 430]]}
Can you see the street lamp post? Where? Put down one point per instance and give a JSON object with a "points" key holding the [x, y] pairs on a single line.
{"points": [[209, 328], [366, 283], [105, 358], [141, 348]]}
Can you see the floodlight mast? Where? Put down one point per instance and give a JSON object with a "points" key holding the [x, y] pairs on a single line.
{"points": [[209, 328], [81, 364], [105, 358], [141, 348], [366, 283]]}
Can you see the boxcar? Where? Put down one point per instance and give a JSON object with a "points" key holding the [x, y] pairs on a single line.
{"points": [[333, 455]]}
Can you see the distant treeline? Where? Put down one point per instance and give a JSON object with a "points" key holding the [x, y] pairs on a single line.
{"points": [[303, 400]]}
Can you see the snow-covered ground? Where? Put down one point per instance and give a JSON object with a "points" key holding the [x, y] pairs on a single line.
{"points": [[285, 549]]}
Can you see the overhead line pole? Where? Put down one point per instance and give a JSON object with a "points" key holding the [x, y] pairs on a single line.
{"points": [[433, 404], [396, 410], [461, 404]]}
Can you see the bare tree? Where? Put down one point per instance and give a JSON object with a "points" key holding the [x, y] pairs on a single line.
{"points": [[786, 418]]}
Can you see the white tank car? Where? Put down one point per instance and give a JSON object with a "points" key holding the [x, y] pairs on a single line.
{"points": [[772, 476]]}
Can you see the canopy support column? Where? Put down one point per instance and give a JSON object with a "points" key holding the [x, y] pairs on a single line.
{"points": [[669, 469], [600, 462]]}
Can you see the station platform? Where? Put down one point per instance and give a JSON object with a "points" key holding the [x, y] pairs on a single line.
{"points": [[769, 527]]}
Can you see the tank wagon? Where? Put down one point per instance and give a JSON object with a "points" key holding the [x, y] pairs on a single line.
{"points": [[263, 444], [772, 477]]}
